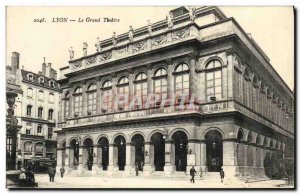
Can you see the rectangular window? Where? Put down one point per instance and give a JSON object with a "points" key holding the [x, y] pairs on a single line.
{"points": [[29, 107], [41, 95], [29, 92], [92, 102], [28, 131], [77, 104], [50, 133], [40, 112], [39, 129], [51, 98], [214, 84]]}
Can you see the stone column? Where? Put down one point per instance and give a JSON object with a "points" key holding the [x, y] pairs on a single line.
{"points": [[44, 149], [149, 79], [245, 168], [230, 159], [67, 159], [113, 158], [59, 159], [99, 157], [149, 158], [98, 96], [131, 88], [80, 164], [95, 166], [203, 164], [71, 103], [192, 155], [33, 149], [84, 100], [169, 167], [114, 93], [170, 82], [192, 73], [130, 158]]}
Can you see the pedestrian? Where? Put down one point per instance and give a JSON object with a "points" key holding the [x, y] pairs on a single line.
{"points": [[30, 180], [62, 171], [222, 174], [136, 169], [193, 173], [22, 178], [51, 173]]}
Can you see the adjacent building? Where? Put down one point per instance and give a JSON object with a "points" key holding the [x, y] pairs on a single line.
{"points": [[226, 105], [37, 112]]}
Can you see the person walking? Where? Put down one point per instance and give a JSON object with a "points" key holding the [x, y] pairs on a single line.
{"points": [[62, 171], [51, 173], [22, 178], [193, 172], [222, 175]]}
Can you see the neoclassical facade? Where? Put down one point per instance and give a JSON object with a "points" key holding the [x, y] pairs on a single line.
{"points": [[240, 116]]}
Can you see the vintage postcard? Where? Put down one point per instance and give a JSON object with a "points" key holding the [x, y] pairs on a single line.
{"points": [[179, 97]]}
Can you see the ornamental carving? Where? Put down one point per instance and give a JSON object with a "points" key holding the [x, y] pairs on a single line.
{"points": [[77, 64], [139, 46], [91, 60], [105, 56], [158, 40], [179, 34], [122, 50]]}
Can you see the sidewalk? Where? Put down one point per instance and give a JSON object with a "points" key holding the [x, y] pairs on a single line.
{"points": [[148, 182]]}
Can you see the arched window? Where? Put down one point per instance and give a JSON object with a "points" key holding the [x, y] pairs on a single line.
{"points": [[182, 81], [106, 95], [67, 104], [29, 108], [141, 87], [214, 80], [41, 80], [92, 95], [123, 92], [40, 112], [78, 101], [160, 82]]}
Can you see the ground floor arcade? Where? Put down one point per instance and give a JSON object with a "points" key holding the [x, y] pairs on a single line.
{"points": [[169, 148]]}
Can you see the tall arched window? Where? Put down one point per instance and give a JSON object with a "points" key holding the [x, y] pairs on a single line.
{"points": [[67, 105], [123, 93], [91, 92], [160, 82], [78, 101], [106, 96], [182, 81], [141, 87], [214, 80]]}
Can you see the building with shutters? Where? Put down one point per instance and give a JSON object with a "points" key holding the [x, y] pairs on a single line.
{"points": [[208, 97], [37, 112]]}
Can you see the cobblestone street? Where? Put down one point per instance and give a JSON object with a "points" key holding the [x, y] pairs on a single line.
{"points": [[147, 182]]}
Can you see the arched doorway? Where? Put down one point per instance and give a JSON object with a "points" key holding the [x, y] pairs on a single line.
{"points": [[120, 143], [87, 154], [138, 141], [103, 146], [159, 151], [214, 150], [63, 154], [181, 148], [74, 153]]}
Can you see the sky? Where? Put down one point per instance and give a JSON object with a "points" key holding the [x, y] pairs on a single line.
{"points": [[271, 27]]}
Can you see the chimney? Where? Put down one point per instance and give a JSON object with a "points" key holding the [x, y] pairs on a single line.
{"points": [[15, 60], [44, 67]]}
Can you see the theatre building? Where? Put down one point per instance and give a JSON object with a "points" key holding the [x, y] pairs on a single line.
{"points": [[230, 108]]}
